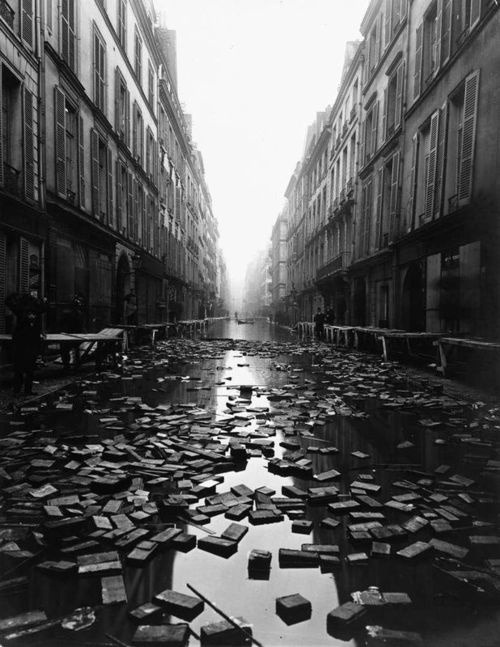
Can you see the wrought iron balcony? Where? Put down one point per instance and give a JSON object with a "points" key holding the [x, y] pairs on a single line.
{"points": [[337, 264]]}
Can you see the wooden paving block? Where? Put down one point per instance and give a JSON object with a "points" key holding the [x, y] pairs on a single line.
{"points": [[291, 558], [357, 558], [184, 542], [238, 512], [224, 633], [242, 491], [142, 553], [293, 608], [345, 614], [329, 522], [212, 510], [417, 549], [259, 559], [293, 492], [146, 611], [364, 485], [58, 568], [342, 507], [181, 605], [328, 563], [99, 563], [302, 526], [396, 598], [322, 495], [265, 491], [175, 635], [287, 503], [321, 549], [258, 517], [165, 537], [22, 620], [130, 539], [380, 549], [235, 532], [113, 590], [57, 529], [327, 476], [218, 546]]}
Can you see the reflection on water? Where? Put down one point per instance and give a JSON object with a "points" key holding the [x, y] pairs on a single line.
{"points": [[215, 374]]}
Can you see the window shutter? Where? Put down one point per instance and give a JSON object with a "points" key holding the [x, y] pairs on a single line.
{"points": [[64, 32], [29, 161], [374, 129], [413, 183], [430, 180], [119, 207], [135, 228], [134, 129], [404, 9], [439, 31], [475, 12], [1, 145], [3, 278], [385, 115], [417, 75], [379, 205], [118, 125], [130, 205], [446, 19], [367, 217], [60, 128], [94, 154], [23, 265], [394, 200], [27, 21], [109, 169], [127, 117], [387, 26], [440, 162], [398, 108], [81, 160], [468, 138]]}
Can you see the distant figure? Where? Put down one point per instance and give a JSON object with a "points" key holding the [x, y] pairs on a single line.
{"points": [[130, 309], [236, 314], [26, 338], [330, 316], [319, 324], [73, 321]]}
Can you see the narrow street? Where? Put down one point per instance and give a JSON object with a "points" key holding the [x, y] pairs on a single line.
{"points": [[352, 473]]}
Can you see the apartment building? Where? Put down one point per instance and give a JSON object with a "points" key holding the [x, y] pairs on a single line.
{"points": [[279, 267], [23, 224]]}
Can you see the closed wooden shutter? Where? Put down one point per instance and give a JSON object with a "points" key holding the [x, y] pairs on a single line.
{"points": [[439, 30], [378, 207], [385, 115], [27, 21], [430, 180], [118, 124], [394, 201], [134, 129], [94, 154], [398, 109], [130, 205], [374, 129], [3, 279], [475, 12], [127, 117], [441, 161], [29, 158], [417, 73], [432, 294], [135, 228], [445, 41], [410, 215], [109, 170], [120, 208], [387, 25], [81, 160], [24, 274], [367, 217], [466, 166], [60, 140]]}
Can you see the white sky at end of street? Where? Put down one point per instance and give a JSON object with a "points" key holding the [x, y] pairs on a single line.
{"points": [[253, 74]]}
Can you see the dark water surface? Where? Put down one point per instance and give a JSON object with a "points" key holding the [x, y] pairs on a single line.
{"points": [[364, 420]]}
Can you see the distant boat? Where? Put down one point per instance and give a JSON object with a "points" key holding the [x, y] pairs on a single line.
{"points": [[246, 321]]}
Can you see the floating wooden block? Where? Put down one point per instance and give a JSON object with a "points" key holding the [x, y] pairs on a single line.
{"points": [[293, 608], [147, 611], [22, 620], [238, 512], [212, 510], [303, 527], [342, 507], [235, 532], [396, 598], [171, 635], [327, 476], [258, 517], [59, 568], [418, 549], [329, 522], [131, 538], [99, 563], [184, 542], [357, 558], [290, 558], [345, 614], [242, 490], [224, 633], [218, 546], [380, 549], [142, 553], [328, 563], [113, 590], [259, 559], [321, 549], [363, 485], [165, 537], [181, 605]]}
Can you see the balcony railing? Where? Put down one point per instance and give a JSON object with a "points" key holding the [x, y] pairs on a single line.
{"points": [[340, 262], [7, 13]]}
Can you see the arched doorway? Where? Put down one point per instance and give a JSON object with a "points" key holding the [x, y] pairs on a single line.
{"points": [[413, 299], [123, 286]]}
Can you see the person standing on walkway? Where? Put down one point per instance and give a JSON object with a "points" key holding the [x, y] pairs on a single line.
{"points": [[319, 324], [26, 338], [73, 321]]}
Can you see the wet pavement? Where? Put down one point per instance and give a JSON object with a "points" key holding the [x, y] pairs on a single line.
{"points": [[397, 479]]}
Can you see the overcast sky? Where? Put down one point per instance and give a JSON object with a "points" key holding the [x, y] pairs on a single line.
{"points": [[253, 73]]}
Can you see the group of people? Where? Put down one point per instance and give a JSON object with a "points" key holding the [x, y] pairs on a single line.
{"points": [[320, 319]]}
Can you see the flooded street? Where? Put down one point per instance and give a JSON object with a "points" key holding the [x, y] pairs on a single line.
{"points": [[304, 427]]}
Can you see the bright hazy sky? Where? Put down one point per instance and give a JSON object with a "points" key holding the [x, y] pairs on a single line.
{"points": [[253, 74]]}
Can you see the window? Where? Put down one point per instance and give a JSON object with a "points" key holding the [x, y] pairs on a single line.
{"points": [[122, 23], [373, 47], [10, 155], [68, 32], [430, 38], [102, 178], [151, 86], [352, 157], [370, 133], [150, 147], [387, 201], [395, 12], [138, 134], [27, 21], [99, 71], [69, 147], [123, 202], [122, 108], [393, 102], [366, 216], [138, 57]]}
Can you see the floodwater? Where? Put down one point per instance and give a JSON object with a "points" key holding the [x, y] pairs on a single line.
{"points": [[443, 613]]}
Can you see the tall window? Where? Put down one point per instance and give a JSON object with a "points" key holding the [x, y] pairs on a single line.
{"points": [[151, 85], [102, 178], [68, 32], [122, 23], [393, 101], [138, 56], [99, 71], [138, 134], [370, 133], [122, 107]]}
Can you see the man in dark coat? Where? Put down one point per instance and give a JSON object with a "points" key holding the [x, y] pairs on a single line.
{"points": [[319, 324], [26, 338]]}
